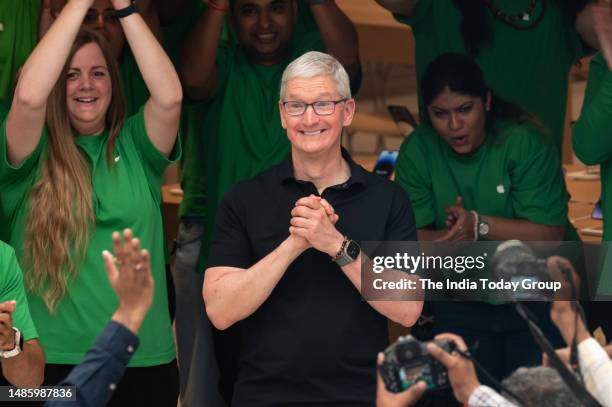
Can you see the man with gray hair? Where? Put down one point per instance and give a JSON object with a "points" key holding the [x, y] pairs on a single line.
{"points": [[285, 260], [540, 386]]}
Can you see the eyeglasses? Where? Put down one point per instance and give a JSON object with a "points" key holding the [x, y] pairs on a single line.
{"points": [[321, 108], [108, 15]]}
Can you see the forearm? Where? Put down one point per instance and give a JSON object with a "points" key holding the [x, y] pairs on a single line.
{"points": [[398, 306], [46, 62], [27, 368], [505, 229], [568, 323], [129, 318], [592, 133], [339, 35], [585, 28], [199, 54], [154, 65], [401, 7], [234, 295]]}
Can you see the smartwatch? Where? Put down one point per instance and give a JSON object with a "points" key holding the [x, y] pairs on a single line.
{"points": [[348, 253], [5, 354], [483, 227]]}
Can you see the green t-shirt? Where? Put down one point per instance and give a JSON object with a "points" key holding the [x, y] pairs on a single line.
{"points": [[527, 67], [18, 36], [240, 131], [592, 139], [592, 133], [11, 288], [125, 194], [514, 175]]}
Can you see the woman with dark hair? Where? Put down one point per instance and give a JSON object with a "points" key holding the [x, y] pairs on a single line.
{"points": [[479, 168], [525, 47], [74, 169]]}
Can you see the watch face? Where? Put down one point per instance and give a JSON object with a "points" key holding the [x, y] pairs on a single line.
{"points": [[353, 249], [483, 229]]}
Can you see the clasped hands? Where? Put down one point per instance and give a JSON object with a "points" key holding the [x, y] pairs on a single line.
{"points": [[313, 222], [460, 223]]}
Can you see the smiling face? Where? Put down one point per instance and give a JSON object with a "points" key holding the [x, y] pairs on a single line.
{"points": [[88, 90], [311, 133], [459, 119], [264, 28]]}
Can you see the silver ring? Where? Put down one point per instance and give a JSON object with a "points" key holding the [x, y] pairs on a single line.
{"points": [[138, 267]]}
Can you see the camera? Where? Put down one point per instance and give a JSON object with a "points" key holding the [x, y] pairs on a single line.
{"points": [[517, 263], [407, 362]]}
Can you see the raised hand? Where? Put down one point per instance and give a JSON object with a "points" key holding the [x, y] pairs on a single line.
{"points": [[129, 273], [461, 371], [385, 398]]}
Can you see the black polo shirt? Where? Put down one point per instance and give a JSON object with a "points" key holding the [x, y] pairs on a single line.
{"points": [[314, 340]]}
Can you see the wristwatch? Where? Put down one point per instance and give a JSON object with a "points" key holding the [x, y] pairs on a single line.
{"points": [[5, 354], [483, 227], [348, 253]]}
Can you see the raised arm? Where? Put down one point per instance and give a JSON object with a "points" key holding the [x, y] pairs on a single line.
{"points": [[339, 34], [402, 7], [585, 23], [198, 58], [163, 109], [42, 69]]}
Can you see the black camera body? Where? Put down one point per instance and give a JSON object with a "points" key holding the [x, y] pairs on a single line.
{"points": [[407, 362], [515, 262]]}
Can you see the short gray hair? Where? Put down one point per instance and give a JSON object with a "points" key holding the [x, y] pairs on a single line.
{"points": [[313, 64], [539, 386]]}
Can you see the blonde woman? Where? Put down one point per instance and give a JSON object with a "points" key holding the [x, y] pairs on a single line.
{"points": [[73, 169]]}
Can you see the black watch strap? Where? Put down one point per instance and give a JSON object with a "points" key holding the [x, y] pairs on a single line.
{"points": [[126, 11]]}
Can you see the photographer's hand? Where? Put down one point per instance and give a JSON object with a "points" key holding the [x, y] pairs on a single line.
{"points": [[561, 270], [563, 312], [461, 372], [564, 317], [385, 398]]}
